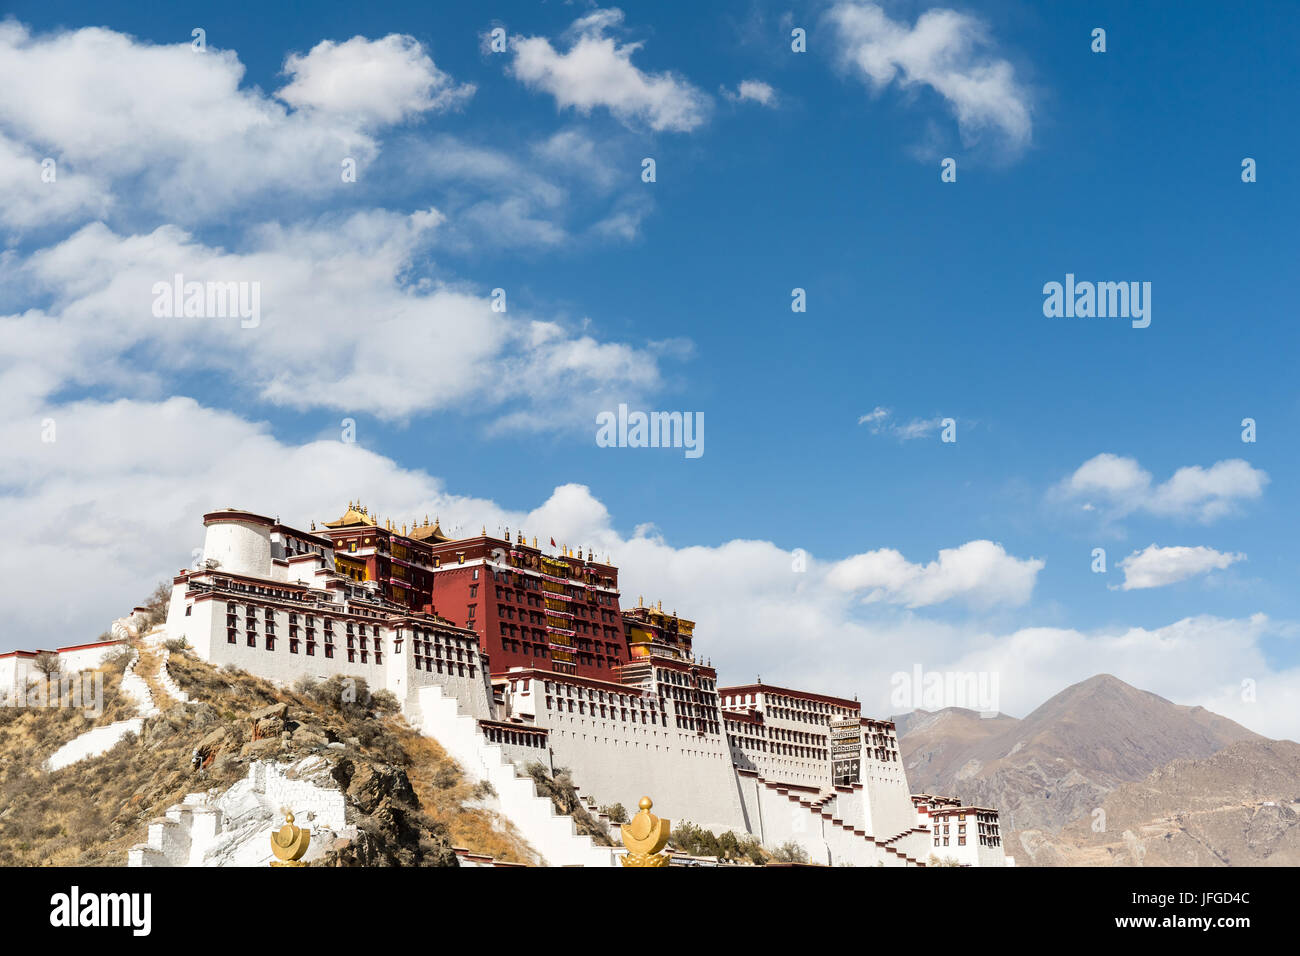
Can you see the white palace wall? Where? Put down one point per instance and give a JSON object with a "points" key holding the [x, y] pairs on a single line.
{"points": [[617, 759]]}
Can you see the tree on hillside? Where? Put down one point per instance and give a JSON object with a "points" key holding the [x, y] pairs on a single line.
{"points": [[47, 663], [156, 604]]}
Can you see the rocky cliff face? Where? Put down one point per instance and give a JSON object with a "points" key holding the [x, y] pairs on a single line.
{"points": [[1239, 807]]}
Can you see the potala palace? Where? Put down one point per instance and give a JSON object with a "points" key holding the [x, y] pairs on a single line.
{"points": [[509, 655]]}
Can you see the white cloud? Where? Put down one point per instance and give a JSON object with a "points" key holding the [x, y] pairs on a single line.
{"points": [[131, 127], [340, 326], [1203, 494], [881, 421], [373, 81], [1155, 567], [29, 199], [979, 573], [127, 110], [597, 71], [946, 51], [754, 91]]}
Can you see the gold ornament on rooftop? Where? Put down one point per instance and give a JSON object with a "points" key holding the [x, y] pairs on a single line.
{"points": [[645, 837], [289, 843]]}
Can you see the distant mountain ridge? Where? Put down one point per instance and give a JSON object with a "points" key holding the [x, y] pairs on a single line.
{"points": [[1062, 760]]}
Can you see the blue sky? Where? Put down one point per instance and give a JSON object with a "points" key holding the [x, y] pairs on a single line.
{"points": [[924, 300]]}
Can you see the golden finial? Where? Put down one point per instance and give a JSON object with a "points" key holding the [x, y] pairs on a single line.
{"points": [[484, 531], [289, 843], [645, 837]]}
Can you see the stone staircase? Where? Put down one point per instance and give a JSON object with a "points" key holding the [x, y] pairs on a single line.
{"points": [[553, 835], [135, 686], [845, 843]]}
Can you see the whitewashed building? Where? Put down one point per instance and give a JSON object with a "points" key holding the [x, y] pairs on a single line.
{"points": [[969, 836]]}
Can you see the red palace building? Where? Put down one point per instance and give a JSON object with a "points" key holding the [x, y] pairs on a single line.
{"points": [[546, 612]]}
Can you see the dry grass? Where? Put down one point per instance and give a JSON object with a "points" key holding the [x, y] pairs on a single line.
{"points": [[92, 812], [89, 813]]}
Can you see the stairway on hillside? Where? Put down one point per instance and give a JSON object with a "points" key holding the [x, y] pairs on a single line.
{"points": [[146, 681], [552, 834]]}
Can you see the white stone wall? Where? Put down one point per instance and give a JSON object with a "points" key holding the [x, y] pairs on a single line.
{"points": [[86, 658], [613, 760]]}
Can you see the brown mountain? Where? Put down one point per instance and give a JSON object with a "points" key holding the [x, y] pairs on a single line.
{"points": [[1062, 760], [1239, 807]]}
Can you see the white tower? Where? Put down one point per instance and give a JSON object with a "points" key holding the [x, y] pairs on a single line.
{"points": [[240, 542]]}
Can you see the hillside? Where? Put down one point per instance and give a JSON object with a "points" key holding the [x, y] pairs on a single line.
{"points": [[1239, 807], [1060, 761], [409, 802]]}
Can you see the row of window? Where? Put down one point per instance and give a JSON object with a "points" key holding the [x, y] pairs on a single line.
{"points": [[500, 735]]}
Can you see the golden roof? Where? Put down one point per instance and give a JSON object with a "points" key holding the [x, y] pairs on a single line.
{"points": [[429, 532], [356, 514]]}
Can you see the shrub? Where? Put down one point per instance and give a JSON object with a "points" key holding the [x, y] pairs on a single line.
{"points": [[790, 852], [115, 661], [615, 812]]}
